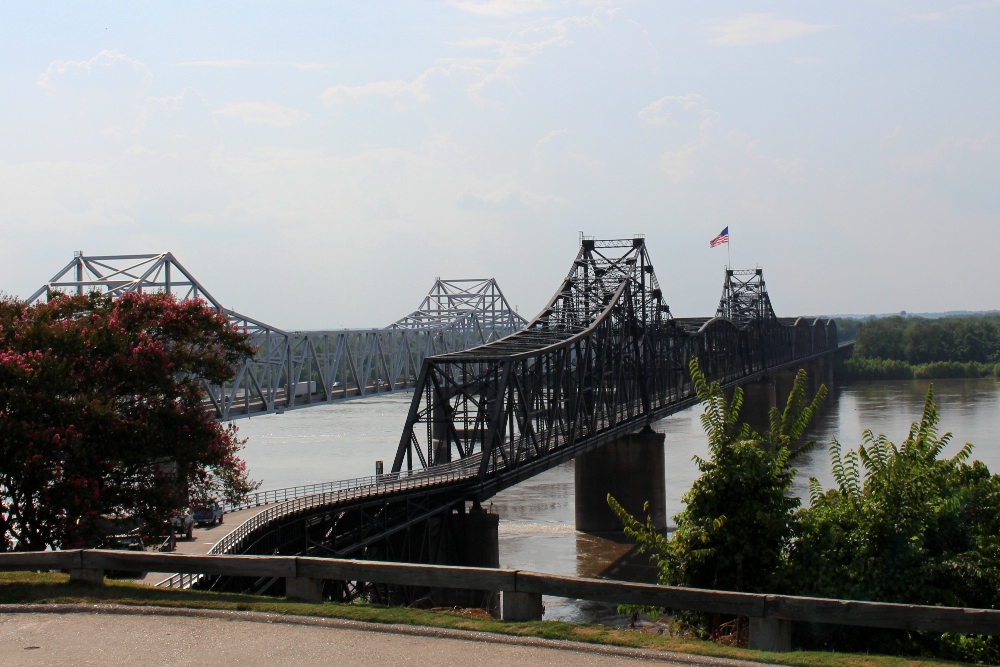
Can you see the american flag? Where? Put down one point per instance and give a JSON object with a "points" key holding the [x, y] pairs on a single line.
{"points": [[723, 237]]}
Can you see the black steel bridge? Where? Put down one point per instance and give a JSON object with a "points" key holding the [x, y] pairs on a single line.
{"points": [[495, 399], [602, 360]]}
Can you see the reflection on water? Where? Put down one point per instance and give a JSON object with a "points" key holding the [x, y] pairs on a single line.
{"points": [[537, 516]]}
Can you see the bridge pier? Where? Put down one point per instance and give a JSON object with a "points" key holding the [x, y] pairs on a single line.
{"points": [[470, 539], [772, 391], [632, 470], [758, 399]]}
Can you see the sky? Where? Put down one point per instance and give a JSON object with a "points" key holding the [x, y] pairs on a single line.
{"points": [[318, 164]]}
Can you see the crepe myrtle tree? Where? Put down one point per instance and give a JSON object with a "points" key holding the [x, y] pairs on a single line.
{"points": [[102, 421]]}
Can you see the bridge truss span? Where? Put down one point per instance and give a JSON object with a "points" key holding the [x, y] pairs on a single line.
{"points": [[295, 369], [604, 358]]}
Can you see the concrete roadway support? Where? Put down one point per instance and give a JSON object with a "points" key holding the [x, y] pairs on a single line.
{"points": [[520, 606], [631, 469], [473, 541], [770, 634], [87, 576], [758, 399], [772, 391], [304, 589]]}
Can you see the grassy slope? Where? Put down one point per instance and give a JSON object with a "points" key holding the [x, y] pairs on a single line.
{"points": [[30, 587]]}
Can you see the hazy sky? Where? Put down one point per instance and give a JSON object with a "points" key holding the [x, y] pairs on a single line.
{"points": [[318, 164]]}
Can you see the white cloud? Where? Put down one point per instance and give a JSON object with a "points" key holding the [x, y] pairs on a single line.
{"points": [[262, 113], [312, 66], [112, 64], [500, 8], [677, 164], [754, 29], [658, 113], [522, 46], [63, 196], [930, 16], [396, 88], [225, 64], [510, 201]]}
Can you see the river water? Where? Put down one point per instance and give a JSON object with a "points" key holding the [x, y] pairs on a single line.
{"points": [[536, 517]]}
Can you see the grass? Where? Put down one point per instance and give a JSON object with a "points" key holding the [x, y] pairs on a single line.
{"points": [[33, 587]]}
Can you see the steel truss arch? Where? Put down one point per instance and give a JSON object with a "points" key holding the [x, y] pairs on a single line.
{"points": [[603, 357]]}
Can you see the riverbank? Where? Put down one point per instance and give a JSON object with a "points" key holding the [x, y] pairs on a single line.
{"points": [[24, 588]]}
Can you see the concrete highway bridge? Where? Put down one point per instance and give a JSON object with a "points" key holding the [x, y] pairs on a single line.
{"points": [[495, 401]]}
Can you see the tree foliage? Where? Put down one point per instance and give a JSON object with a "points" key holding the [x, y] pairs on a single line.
{"points": [[918, 340], [903, 525], [101, 414], [736, 526]]}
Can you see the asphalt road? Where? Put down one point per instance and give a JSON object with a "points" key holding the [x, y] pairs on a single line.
{"points": [[110, 640]]}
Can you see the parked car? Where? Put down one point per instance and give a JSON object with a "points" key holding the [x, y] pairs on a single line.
{"points": [[183, 523], [127, 542], [209, 513]]}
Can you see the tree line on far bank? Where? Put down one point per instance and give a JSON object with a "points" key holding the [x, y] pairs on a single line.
{"points": [[899, 348]]}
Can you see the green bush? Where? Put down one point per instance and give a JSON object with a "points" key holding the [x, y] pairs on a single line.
{"points": [[736, 527], [903, 525], [866, 368], [952, 369]]}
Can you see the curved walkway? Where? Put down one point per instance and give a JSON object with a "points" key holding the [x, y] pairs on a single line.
{"points": [[134, 637], [204, 539]]}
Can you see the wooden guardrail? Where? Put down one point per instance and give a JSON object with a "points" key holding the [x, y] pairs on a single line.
{"points": [[521, 591]]}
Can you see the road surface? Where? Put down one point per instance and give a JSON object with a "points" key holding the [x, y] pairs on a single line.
{"points": [[135, 640]]}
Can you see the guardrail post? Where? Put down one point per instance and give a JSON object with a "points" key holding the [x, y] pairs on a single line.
{"points": [[87, 575], [770, 634], [520, 606], [305, 589]]}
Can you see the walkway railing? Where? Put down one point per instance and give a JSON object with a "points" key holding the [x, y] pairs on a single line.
{"points": [[349, 490], [770, 615]]}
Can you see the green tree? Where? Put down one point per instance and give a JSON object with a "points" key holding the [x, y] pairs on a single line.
{"points": [[102, 414], [903, 525], [737, 523], [882, 338]]}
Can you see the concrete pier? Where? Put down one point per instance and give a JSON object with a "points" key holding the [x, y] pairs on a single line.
{"points": [[472, 539], [772, 391], [630, 469], [758, 399]]}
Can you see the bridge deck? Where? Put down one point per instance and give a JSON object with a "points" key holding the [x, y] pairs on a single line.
{"points": [[204, 539]]}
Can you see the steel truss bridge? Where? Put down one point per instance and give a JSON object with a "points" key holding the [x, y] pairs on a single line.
{"points": [[295, 369], [603, 359]]}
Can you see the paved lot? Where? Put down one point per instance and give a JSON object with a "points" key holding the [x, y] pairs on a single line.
{"points": [[135, 640]]}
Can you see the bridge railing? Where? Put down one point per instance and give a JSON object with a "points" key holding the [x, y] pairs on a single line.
{"points": [[770, 615], [333, 493]]}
